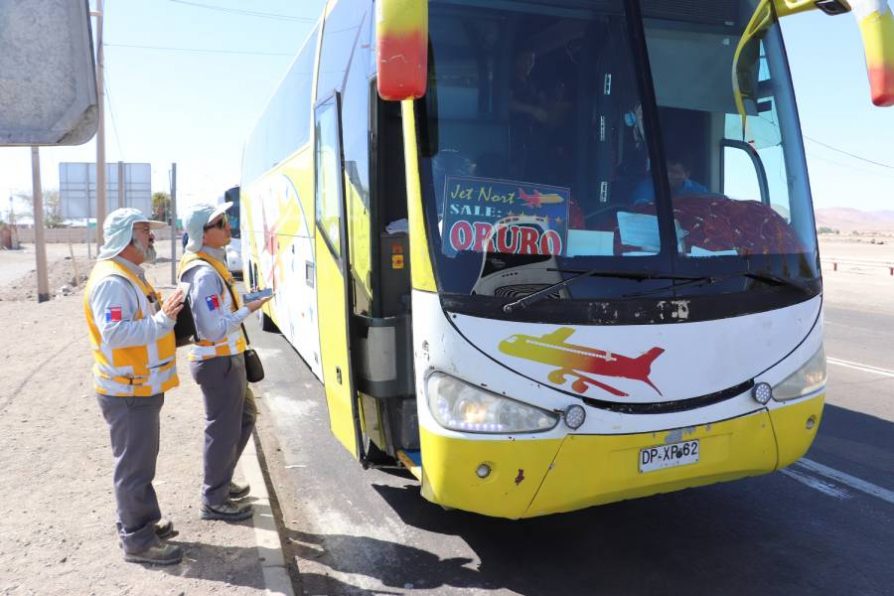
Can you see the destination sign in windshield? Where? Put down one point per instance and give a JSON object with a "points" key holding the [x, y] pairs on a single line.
{"points": [[505, 216]]}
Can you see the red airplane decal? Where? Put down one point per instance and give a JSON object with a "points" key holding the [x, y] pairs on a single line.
{"points": [[580, 361], [270, 245], [536, 199]]}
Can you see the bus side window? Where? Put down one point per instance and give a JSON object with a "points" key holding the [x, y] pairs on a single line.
{"points": [[328, 170], [391, 288]]}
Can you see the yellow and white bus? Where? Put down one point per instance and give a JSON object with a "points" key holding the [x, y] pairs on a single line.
{"points": [[548, 254]]}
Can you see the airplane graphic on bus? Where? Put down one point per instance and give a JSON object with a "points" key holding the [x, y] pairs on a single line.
{"points": [[579, 362]]}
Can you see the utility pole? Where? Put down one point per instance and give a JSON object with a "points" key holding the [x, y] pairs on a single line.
{"points": [[121, 185], [173, 212], [89, 211], [12, 226], [43, 284], [101, 130]]}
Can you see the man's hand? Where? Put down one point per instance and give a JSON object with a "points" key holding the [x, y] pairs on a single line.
{"points": [[256, 304], [173, 304]]}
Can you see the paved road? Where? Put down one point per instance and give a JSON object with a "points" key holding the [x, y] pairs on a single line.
{"points": [[825, 526]]}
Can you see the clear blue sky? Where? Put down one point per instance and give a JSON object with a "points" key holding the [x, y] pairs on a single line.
{"points": [[197, 107], [189, 107]]}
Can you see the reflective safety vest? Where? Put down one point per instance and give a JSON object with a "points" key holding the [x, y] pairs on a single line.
{"points": [[134, 371], [234, 342]]}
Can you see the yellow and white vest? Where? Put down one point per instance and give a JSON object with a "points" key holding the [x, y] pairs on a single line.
{"points": [[135, 371], [234, 342]]}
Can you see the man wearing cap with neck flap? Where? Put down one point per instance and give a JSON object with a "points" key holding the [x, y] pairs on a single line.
{"points": [[131, 333], [216, 360]]}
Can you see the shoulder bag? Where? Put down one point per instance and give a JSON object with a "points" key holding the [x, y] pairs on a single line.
{"points": [[254, 370], [185, 327]]}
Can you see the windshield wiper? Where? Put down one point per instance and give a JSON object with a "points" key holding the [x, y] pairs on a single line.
{"points": [[776, 280], [538, 295], [763, 276]]}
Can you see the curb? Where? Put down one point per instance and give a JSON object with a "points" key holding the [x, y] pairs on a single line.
{"points": [[270, 554]]}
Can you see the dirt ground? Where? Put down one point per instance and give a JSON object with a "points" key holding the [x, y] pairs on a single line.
{"points": [[57, 516], [18, 279], [857, 273]]}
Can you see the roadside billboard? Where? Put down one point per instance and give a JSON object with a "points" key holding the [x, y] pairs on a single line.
{"points": [[47, 73], [77, 188]]}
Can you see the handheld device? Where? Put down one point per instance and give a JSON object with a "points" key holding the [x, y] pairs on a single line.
{"points": [[252, 296], [183, 286]]}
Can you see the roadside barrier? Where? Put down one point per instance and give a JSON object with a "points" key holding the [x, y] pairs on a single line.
{"points": [[858, 265]]}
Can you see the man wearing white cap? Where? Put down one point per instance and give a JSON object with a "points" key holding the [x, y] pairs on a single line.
{"points": [[131, 333], [216, 359]]}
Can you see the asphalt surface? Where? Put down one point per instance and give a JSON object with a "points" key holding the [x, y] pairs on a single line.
{"points": [[824, 526]]}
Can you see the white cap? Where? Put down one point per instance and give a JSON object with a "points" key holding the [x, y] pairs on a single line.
{"points": [[117, 230], [198, 218]]}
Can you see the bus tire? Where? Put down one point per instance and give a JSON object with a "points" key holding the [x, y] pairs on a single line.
{"points": [[267, 323], [376, 456]]}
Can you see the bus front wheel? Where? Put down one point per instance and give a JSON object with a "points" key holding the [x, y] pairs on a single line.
{"points": [[267, 323]]}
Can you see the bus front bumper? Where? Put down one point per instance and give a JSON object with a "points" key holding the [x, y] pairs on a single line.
{"points": [[531, 477]]}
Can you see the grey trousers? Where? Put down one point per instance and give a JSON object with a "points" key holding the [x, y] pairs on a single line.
{"points": [[134, 430], [230, 413]]}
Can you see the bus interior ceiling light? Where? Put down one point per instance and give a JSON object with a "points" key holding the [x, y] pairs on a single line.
{"points": [[575, 416]]}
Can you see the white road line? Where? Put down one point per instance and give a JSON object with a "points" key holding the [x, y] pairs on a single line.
{"points": [[817, 484], [862, 367], [846, 479]]}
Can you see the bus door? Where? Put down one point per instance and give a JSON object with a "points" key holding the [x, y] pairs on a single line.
{"points": [[332, 271]]}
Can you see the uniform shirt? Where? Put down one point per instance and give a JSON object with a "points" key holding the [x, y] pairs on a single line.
{"points": [[114, 304], [645, 190], [207, 288]]}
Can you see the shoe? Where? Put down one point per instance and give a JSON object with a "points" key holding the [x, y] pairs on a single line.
{"points": [[163, 554], [165, 529], [228, 511], [239, 491]]}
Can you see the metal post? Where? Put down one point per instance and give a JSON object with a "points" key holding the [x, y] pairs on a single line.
{"points": [[101, 129], [173, 211], [89, 211], [43, 284], [121, 185]]}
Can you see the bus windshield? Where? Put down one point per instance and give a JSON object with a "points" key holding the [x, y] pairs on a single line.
{"points": [[538, 144]]}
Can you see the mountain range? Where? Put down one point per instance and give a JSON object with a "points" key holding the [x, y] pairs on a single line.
{"points": [[847, 219]]}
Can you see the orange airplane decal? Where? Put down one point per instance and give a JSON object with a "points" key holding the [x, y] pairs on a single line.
{"points": [[580, 361]]}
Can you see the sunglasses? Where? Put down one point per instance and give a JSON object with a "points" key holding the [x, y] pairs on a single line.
{"points": [[220, 224]]}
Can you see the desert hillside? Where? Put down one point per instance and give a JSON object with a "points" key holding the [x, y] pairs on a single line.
{"points": [[848, 220]]}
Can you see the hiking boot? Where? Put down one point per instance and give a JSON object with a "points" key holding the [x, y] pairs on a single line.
{"points": [[163, 554], [165, 529], [239, 491], [228, 511]]}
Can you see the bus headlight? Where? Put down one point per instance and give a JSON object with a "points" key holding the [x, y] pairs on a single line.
{"points": [[459, 406], [804, 381]]}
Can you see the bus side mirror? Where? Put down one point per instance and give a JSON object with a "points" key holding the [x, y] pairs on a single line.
{"points": [[402, 48], [877, 29]]}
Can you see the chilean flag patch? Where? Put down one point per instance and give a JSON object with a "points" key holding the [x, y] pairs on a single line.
{"points": [[212, 302], [113, 314]]}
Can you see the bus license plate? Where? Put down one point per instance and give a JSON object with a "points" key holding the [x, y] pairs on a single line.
{"points": [[668, 456]]}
